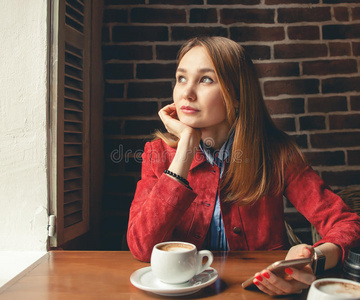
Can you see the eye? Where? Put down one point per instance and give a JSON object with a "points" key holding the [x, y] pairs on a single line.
{"points": [[206, 79], [181, 79]]}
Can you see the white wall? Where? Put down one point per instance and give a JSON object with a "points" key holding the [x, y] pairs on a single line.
{"points": [[23, 124]]}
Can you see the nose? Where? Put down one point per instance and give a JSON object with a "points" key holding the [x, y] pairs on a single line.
{"points": [[189, 92]]}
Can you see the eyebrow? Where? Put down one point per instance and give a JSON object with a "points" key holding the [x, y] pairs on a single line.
{"points": [[203, 70]]}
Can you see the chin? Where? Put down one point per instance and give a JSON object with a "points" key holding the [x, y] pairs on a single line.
{"points": [[192, 124]]}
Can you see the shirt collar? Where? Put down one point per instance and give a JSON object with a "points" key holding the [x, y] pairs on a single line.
{"points": [[218, 157]]}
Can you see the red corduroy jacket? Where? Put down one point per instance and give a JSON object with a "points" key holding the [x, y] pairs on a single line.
{"points": [[163, 209]]}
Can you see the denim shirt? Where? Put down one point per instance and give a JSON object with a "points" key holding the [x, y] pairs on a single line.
{"points": [[216, 238]]}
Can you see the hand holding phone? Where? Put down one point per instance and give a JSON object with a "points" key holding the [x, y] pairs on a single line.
{"points": [[278, 268]]}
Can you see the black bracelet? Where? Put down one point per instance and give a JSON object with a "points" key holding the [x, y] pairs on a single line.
{"points": [[182, 179]]}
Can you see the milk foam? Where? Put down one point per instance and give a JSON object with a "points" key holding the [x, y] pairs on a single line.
{"points": [[340, 289], [177, 249]]}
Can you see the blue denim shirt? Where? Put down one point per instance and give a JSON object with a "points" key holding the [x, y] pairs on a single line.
{"points": [[216, 238]]}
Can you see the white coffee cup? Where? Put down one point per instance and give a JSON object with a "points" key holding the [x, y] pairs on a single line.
{"points": [[178, 262], [334, 289]]}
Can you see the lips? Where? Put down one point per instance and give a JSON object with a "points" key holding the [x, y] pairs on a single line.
{"points": [[188, 109]]}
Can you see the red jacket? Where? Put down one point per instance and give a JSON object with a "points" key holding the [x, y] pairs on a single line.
{"points": [[163, 209]]}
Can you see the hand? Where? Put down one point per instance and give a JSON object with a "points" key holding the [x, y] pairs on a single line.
{"points": [[172, 124], [295, 281]]}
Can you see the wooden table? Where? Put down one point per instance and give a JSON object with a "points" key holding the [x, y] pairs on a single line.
{"points": [[73, 275]]}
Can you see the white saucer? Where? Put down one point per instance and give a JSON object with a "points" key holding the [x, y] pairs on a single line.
{"points": [[145, 280]]}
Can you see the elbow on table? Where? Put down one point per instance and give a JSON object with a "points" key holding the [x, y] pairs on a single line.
{"points": [[139, 251]]}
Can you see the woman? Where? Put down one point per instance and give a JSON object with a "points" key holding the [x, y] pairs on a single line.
{"points": [[217, 179]]}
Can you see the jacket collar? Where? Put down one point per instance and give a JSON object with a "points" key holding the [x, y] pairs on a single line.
{"points": [[199, 158]]}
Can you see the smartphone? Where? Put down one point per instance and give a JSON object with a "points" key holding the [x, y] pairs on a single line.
{"points": [[278, 268]]}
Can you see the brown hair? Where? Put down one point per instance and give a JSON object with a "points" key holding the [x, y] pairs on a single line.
{"points": [[260, 151]]}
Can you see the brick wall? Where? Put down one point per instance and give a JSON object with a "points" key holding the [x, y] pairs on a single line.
{"points": [[307, 56]]}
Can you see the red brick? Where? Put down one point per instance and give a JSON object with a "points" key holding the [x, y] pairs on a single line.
{"points": [[335, 139], [355, 13], [185, 33], [231, 16], [245, 34], [285, 106], [339, 49], [125, 52], [301, 140], [150, 71], [118, 71], [149, 90], [353, 157], [114, 90], [198, 15], [285, 124], [243, 2], [325, 158], [142, 127], [340, 1], [167, 52], [304, 32], [157, 15], [113, 126], [139, 33], [341, 84], [274, 2], [291, 87], [295, 15], [124, 144], [177, 2], [327, 104], [105, 32], [115, 15], [131, 109], [277, 69], [325, 67], [122, 2], [356, 48], [312, 122], [341, 13], [355, 102], [300, 50], [334, 32], [258, 51], [344, 121], [342, 178]]}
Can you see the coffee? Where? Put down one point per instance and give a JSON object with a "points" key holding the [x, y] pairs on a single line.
{"points": [[177, 262], [339, 288], [176, 247]]}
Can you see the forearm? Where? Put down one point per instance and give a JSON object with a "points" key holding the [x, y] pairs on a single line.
{"points": [[185, 152], [155, 211]]}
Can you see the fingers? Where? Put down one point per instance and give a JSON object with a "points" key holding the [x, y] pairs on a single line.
{"points": [[274, 285], [168, 110], [299, 275]]}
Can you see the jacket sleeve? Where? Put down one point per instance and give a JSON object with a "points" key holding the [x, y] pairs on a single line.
{"points": [[334, 220], [158, 205]]}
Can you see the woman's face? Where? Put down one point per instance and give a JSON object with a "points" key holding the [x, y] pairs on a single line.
{"points": [[197, 94]]}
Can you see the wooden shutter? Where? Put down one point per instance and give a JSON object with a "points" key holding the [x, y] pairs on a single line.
{"points": [[70, 118]]}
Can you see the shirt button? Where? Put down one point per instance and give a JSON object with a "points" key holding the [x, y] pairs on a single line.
{"points": [[237, 230]]}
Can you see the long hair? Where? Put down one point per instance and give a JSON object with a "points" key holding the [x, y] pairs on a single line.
{"points": [[260, 151]]}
